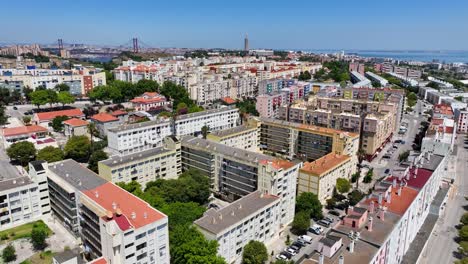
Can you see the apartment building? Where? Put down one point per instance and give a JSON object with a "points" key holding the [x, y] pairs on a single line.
{"points": [[80, 80], [113, 224], [390, 218], [252, 217], [377, 78], [462, 121], [23, 199], [150, 101], [267, 104], [243, 86], [305, 142], [320, 176], [131, 138], [357, 67], [104, 121], [149, 165], [359, 80], [242, 137], [235, 172]]}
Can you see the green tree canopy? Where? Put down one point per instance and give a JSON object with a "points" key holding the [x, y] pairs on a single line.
{"points": [[342, 185], [9, 253], [3, 115], [39, 97], [463, 233], [310, 203], [22, 151], [50, 154], [62, 87], [65, 97], [95, 157], [182, 213], [255, 252], [301, 223], [77, 148], [57, 123], [38, 238], [26, 120]]}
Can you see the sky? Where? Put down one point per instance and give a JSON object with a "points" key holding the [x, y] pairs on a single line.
{"points": [[287, 24]]}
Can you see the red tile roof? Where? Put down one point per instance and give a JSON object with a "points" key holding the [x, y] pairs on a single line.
{"points": [[398, 204], [76, 122], [104, 117], [109, 193], [51, 115], [421, 178], [228, 100], [22, 130], [118, 113], [101, 260]]}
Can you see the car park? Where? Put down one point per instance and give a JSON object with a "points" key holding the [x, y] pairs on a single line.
{"points": [[315, 230]]}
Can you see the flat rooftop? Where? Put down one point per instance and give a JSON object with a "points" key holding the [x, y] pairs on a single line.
{"points": [[324, 164], [8, 171], [117, 160], [12, 183], [206, 112], [139, 125], [76, 175], [231, 131], [216, 221]]}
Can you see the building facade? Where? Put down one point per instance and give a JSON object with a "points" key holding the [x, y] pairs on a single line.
{"points": [[242, 137]]}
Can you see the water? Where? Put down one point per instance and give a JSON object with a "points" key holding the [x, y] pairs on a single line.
{"points": [[410, 55]]}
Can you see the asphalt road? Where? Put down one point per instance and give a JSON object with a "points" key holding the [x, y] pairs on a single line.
{"points": [[441, 247]]}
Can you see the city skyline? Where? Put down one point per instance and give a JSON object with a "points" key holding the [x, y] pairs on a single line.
{"points": [[332, 25]]}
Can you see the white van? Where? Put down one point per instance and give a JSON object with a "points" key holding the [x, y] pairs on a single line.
{"points": [[306, 238]]}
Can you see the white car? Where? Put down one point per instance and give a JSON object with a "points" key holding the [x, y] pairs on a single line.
{"points": [[291, 251], [281, 256]]}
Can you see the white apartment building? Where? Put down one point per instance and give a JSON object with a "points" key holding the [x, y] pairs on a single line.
{"points": [[81, 81], [359, 80], [23, 199], [210, 89], [131, 138], [145, 166], [112, 223], [215, 119], [235, 172], [462, 123], [252, 217], [242, 137], [377, 78]]}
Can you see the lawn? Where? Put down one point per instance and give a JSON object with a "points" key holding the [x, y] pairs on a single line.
{"points": [[22, 231], [40, 258]]}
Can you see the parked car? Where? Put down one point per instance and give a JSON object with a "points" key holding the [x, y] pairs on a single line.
{"points": [[298, 244], [335, 213], [306, 239], [402, 142], [15, 108], [395, 146], [324, 223], [287, 254], [397, 141], [281, 256], [315, 230], [296, 248], [291, 251], [386, 156], [329, 219], [387, 171]]}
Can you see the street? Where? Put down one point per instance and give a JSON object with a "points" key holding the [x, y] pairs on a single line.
{"points": [[441, 245]]}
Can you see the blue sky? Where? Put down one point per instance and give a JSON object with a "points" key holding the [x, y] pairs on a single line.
{"points": [[312, 24]]}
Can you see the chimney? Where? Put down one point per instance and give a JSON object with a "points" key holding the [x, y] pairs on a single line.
{"points": [[213, 220], [382, 214], [341, 260], [351, 246], [394, 183], [407, 174], [109, 215], [133, 215], [380, 198], [369, 224], [220, 216], [114, 205], [350, 210], [371, 207], [399, 191], [389, 197], [96, 193], [321, 258], [145, 215], [118, 211], [416, 171]]}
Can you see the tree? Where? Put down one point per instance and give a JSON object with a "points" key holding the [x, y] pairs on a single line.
{"points": [[204, 130], [300, 223], [62, 87], [39, 97], [23, 152], [310, 203], [355, 177], [255, 252], [26, 120], [342, 185], [3, 116], [182, 213], [462, 261], [463, 248], [65, 98], [95, 157], [57, 123], [5, 96], [77, 148], [50, 154], [27, 93], [188, 245], [9, 253], [355, 196], [304, 76], [403, 156], [368, 177], [52, 97], [463, 233], [464, 219], [38, 238]]}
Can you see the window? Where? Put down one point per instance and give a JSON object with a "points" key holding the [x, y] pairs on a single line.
{"points": [[129, 245], [130, 256], [142, 245], [140, 236], [162, 251]]}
